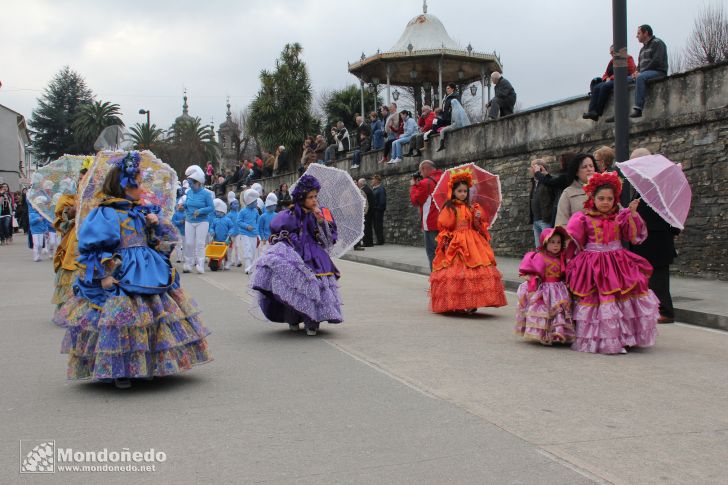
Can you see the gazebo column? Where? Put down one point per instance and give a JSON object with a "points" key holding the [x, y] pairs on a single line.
{"points": [[439, 82], [482, 91], [389, 90], [362, 100]]}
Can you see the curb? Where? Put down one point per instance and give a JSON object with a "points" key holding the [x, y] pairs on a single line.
{"points": [[692, 317]]}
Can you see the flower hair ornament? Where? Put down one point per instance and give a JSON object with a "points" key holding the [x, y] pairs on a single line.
{"points": [[609, 179], [457, 176], [129, 165], [87, 162], [305, 184]]}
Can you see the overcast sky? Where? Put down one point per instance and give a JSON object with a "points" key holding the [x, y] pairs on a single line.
{"points": [[141, 54]]}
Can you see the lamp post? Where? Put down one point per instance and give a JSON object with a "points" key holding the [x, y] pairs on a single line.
{"points": [[145, 112], [395, 95], [621, 103]]}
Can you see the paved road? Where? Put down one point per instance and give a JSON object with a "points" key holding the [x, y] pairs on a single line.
{"points": [[393, 395]]}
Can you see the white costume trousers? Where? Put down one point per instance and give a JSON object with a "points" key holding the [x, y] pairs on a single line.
{"points": [[38, 241], [195, 237], [250, 251]]}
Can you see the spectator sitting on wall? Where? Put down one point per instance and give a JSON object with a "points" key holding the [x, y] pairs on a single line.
{"points": [[340, 144], [602, 87], [458, 119], [281, 161], [320, 148], [504, 99], [364, 134], [308, 154], [652, 64], [269, 162], [604, 156], [377, 128], [424, 122], [410, 129]]}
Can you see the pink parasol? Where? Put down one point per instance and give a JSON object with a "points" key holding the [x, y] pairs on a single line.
{"points": [[486, 190], [662, 185]]}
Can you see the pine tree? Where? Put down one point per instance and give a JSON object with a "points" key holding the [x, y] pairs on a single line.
{"points": [[280, 114], [53, 118]]}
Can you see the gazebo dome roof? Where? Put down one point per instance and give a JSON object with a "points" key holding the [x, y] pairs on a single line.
{"points": [[424, 32]]}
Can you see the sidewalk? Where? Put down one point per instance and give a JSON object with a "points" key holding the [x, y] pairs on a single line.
{"points": [[696, 301]]}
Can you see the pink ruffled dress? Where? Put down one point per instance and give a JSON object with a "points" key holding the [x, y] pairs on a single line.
{"points": [[613, 305], [544, 302]]}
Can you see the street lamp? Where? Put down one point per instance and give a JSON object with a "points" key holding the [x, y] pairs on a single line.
{"points": [[473, 89], [395, 95], [145, 112]]}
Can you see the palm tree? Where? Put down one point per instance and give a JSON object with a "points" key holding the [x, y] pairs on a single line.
{"points": [[91, 119], [190, 142], [145, 136]]}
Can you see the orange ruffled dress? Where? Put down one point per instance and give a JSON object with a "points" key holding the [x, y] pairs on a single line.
{"points": [[464, 273]]}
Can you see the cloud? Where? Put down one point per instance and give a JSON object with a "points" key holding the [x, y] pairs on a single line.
{"points": [[142, 54]]}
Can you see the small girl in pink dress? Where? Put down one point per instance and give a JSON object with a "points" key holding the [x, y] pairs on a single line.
{"points": [[614, 307], [544, 302]]}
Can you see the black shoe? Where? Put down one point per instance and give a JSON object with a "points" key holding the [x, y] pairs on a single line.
{"points": [[636, 113], [417, 153], [410, 153], [442, 146], [358, 248], [610, 119], [591, 115]]}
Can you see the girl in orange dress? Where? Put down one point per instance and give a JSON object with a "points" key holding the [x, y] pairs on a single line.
{"points": [[464, 274]]}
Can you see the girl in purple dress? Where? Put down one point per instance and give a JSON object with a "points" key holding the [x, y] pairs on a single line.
{"points": [[613, 306], [295, 279]]}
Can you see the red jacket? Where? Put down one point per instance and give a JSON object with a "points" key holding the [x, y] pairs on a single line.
{"points": [[421, 196], [631, 68], [425, 122]]}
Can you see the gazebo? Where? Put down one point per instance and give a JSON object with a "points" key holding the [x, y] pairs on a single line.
{"points": [[424, 57]]}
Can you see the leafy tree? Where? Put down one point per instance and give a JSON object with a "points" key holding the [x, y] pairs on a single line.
{"points": [[53, 118], [91, 119], [344, 104], [146, 137], [280, 114], [708, 42]]}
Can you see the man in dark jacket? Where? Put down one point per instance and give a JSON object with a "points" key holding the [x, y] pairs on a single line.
{"points": [[541, 198], [504, 100], [380, 205], [368, 240], [652, 64], [445, 117], [659, 250]]}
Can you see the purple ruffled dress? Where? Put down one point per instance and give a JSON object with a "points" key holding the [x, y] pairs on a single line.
{"points": [[295, 278]]}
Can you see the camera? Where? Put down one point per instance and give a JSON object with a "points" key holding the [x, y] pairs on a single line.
{"points": [[417, 176]]}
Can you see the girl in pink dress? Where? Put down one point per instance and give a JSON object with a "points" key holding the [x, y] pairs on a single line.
{"points": [[544, 302], [613, 306]]}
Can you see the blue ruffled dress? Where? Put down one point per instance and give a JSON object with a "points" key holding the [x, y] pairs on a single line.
{"points": [[295, 278], [141, 327]]}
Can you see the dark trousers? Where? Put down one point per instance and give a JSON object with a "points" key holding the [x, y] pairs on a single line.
{"points": [[388, 147], [379, 225], [368, 221], [599, 95], [499, 108], [6, 227], [660, 284]]}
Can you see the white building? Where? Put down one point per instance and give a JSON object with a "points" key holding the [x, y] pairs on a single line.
{"points": [[15, 154]]}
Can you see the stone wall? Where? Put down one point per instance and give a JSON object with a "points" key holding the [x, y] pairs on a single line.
{"points": [[685, 119]]}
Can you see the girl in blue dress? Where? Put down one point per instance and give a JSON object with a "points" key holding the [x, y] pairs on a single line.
{"points": [[129, 317]]}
